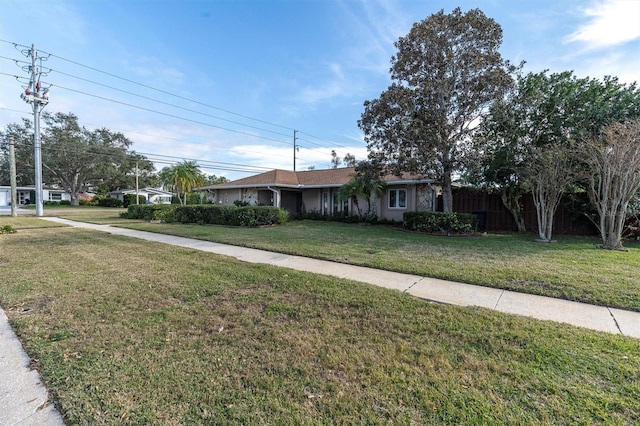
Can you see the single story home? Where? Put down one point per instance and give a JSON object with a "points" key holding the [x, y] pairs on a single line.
{"points": [[317, 190], [27, 195], [152, 195]]}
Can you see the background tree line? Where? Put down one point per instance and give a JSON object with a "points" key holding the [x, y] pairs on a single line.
{"points": [[79, 160], [457, 110]]}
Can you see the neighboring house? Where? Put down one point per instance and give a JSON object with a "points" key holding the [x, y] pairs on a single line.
{"points": [[27, 195], [317, 190], [152, 195]]}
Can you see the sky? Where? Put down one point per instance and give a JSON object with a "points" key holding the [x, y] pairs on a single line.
{"points": [[228, 83]]}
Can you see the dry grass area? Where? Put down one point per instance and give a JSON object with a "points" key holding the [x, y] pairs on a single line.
{"points": [[131, 332]]}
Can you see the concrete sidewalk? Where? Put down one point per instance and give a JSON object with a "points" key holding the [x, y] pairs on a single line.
{"points": [[24, 401], [598, 318], [23, 398]]}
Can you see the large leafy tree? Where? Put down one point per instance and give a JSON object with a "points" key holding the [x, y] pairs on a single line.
{"points": [[214, 180], [73, 157], [447, 71], [182, 178], [530, 138], [123, 175], [22, 136], [525, 140]]}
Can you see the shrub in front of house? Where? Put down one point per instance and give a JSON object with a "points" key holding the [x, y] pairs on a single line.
{"points": [[130, 199], [231, 215], [108, 202], [209, 214], [457, 223], [260, 216], [163, 212], [204, 214], [57, 203], [340, 217]]}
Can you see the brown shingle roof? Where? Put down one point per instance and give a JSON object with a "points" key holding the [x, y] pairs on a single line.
{"points": [[325, 177], [307, 178]]}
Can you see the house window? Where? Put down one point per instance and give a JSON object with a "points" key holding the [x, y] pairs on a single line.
{"points": [[339, 206], [55, 196], [325, 203], [397, 198]]}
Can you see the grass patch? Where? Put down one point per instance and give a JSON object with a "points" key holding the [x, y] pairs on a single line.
{"points": [[22, 223], [571, 269], [99, 217], [131, 332]]}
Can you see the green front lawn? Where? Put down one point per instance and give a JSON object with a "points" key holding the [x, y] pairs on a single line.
{"points": [[570, 269], [131, 332]]}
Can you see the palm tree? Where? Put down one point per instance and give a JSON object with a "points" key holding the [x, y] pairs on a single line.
{"points": [[366, 183], [182, 178]]}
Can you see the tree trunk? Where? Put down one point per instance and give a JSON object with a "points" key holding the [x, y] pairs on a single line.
{"points": [[354, 199], [546, 201], [447, 195], [612, 225], [511, 200]]}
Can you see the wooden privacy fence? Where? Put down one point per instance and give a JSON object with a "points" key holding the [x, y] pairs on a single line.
{"points": [[493, 216]]}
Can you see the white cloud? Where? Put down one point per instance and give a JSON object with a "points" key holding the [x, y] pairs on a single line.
{"points": [[282, 157], [625, 67], [334, 86], [611, 23], [264, 156]]}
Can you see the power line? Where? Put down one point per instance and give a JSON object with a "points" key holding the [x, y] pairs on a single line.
{"points": [[167, 114], [168, 104], [335, 144], [171, 105], [166, 159], [161, 91], [161, 137]]}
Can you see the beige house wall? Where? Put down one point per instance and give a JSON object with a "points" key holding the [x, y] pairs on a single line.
{"points": [[226, 197], [418, 198]]}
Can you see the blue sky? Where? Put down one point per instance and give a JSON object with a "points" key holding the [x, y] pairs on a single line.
{"points": [[227, 82]]}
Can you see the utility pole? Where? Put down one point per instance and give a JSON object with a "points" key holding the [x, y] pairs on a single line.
{"points": [[39, 98], [12, 172], [295, 149], [137, 196]]}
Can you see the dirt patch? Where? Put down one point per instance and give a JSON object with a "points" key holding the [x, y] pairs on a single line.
{"points": [[32, 306]]}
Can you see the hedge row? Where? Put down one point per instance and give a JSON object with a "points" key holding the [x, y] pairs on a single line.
{"points": [[439, 222], [209, 214]]}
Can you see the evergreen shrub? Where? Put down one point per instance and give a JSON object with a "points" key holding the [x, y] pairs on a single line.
{"points": [[108, 202], [449, 222], [130, 199], [209, 214]]}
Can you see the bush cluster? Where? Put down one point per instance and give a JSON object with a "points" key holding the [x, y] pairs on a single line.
{"points": [[335, 217], [209, 214], [162, 212], [7, 229], [130, 199], [456, 223], [57, 203], [104, 201]]}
